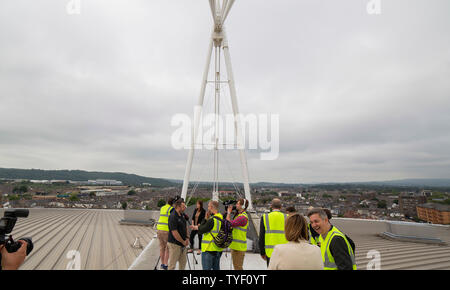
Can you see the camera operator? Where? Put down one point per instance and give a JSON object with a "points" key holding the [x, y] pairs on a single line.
{"points": [[12, 261], [240, 226]]}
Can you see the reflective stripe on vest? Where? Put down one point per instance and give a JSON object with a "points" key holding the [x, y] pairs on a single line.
{"points": [[163, 222], [328, 259], [274, 226], [312, 240], [240, 236], [207, 239]]}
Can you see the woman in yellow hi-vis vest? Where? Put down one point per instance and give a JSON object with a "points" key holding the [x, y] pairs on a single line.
{"points": [[210, 227], [337, 252], [240, 225], [163, 232], [271, 232]]}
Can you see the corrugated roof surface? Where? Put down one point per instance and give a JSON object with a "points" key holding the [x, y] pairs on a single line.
{"points": [[103, 244]]}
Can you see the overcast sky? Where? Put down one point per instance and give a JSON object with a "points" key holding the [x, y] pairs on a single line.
{"points": [[360, 97]]}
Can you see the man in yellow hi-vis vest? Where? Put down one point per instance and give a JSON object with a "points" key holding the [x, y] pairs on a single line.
{"points": [[210, 227], [271, 230], [337, 251], [163, 232], [313, 235]]}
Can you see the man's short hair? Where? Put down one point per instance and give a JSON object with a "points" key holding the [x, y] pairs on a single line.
{"points": [[323, 215], [179, 202], [276, 203], [215, 204], [328, 212], [291, 209]]}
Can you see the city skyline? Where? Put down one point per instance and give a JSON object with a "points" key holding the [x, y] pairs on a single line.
{"points": [[360, 97]]}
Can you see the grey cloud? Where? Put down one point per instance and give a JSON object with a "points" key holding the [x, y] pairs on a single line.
{"points": [[360, 97]]}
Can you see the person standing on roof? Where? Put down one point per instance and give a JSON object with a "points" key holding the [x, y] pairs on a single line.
{"points": [[291, 210], [271, 230], [197, 217], [313, 235], [240, 226], [337, 252], [163, 232], [298, 254], [178, 236], [209, 228]]}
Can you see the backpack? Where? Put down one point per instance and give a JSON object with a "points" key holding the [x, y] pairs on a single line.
{"points": [[352, 244], [225, 236]]}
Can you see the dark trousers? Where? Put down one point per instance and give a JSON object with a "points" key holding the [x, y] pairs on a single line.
{"points": [[191, 239]]}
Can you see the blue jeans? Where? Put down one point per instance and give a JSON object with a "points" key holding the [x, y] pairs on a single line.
{"points": [[211, 260]]}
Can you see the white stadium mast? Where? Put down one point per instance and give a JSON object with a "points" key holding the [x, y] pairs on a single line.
{"points": [[219, 43]]}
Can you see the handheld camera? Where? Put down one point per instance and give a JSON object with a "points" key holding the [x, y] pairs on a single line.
{"points": [[7, 224]]}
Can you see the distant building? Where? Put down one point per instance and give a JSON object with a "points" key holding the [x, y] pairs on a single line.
{"points": [[41, 181], [434, 213], [104, 182], [409, 201], [352, 214], [363, 211], [286, 193], [427, 193]]}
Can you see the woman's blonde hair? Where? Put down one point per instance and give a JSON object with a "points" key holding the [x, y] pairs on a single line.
{"points": [[296, 228]]}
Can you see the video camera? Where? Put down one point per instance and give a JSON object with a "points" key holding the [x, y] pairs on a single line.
{"points": [[230, 202], [7, 224]]}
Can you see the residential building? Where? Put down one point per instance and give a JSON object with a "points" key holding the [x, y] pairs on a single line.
{"points": [[409, 201], [434, 213]]}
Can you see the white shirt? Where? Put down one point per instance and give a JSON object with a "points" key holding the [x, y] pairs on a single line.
{"points": [[296, 256]]}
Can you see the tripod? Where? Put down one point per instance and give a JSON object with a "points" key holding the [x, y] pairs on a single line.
{"points": [[193, 253], [156, 266]]}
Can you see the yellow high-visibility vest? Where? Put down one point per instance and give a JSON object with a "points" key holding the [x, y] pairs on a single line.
{"points": [[312, 240], [240, 236], [208, 244], [163, 222], [274, 226], [328, 259]]}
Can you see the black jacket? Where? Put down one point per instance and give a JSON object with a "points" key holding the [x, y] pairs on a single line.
{"points": [[339, 251], [201, 217]]}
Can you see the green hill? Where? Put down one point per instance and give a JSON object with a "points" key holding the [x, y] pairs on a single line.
{"points": [[80, 175]]}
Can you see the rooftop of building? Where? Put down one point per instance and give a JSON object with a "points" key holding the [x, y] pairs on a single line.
{"points": [[105, 244], [437, 206], [96, 234]]}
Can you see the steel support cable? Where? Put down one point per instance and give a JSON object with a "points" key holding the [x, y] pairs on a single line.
{"points": [[195, 185], [234, 144], [233, 179], [226, 161]]}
